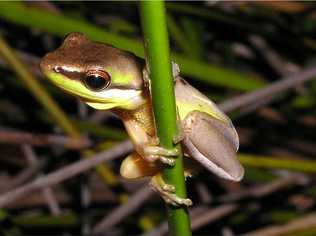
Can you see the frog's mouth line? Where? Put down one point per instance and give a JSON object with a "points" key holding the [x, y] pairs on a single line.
{"points": [[128, 102], [113, 97]]}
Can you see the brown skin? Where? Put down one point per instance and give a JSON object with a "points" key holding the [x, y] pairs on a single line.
{"points": [[82, 55]]}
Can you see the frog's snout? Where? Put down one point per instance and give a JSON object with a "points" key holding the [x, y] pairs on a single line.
{"points": [[46, 63]]}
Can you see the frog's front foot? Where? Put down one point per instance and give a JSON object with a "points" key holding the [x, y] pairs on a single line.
{"points": [[167, 192], [166, 156]]}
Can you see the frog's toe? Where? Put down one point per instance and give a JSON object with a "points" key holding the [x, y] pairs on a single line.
{"points": [[166, 156], [177, 201], [157, 150], [168, 188], [167, 161], [184, 201]]}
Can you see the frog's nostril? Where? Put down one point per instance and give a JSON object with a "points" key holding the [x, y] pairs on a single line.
{"points": [[48, 62]]}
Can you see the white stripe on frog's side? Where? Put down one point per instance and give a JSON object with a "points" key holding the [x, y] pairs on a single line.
{"points": [[70, 69]]}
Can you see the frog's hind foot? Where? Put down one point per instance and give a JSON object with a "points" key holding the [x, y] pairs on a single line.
{"points": [[167, 192]]}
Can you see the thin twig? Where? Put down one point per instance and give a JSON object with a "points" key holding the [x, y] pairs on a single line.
{"points": [[162, 228], [202, 216], [212, 214], [51, 201], [19, 137], [302, 145], [264, 189], [29, 59], [27, 173], [119, 213], [65, 173], [33, 167], [279, 64], [37, 89], [204, 193], [292, 228], [282, 67], [226, 231], [46, 192], [36, 199], [272, 90]]}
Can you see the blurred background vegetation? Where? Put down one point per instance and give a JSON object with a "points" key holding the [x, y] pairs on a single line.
{"points": [[225, 49]]}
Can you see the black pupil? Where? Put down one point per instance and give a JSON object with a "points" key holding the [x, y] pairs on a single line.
{"points": [[96, 82]]}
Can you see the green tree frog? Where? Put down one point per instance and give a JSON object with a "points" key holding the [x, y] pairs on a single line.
{"points": [[107, 78]]}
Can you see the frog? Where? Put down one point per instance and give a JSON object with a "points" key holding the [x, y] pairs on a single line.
{"points": [[107, 78]]}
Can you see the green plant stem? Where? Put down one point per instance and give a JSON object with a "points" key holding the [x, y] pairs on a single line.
{"points": [[163, 98]]}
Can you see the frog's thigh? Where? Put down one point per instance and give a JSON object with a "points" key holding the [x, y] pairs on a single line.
{"points": [[209, 142], [134, 166]]}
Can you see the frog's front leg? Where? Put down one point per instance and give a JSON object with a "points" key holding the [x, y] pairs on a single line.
{"points": [[153, 153], [147, 146], [142, 163]]}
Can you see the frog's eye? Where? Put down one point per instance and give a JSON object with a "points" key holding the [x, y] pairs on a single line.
{"points": [[97, 80]]}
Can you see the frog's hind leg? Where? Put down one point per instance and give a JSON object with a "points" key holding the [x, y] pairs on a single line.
{"points": [[167, 192], [134, 166], [213, 143]]}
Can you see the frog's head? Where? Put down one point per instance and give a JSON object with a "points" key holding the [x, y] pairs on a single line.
{"points": [[102, 76]]}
